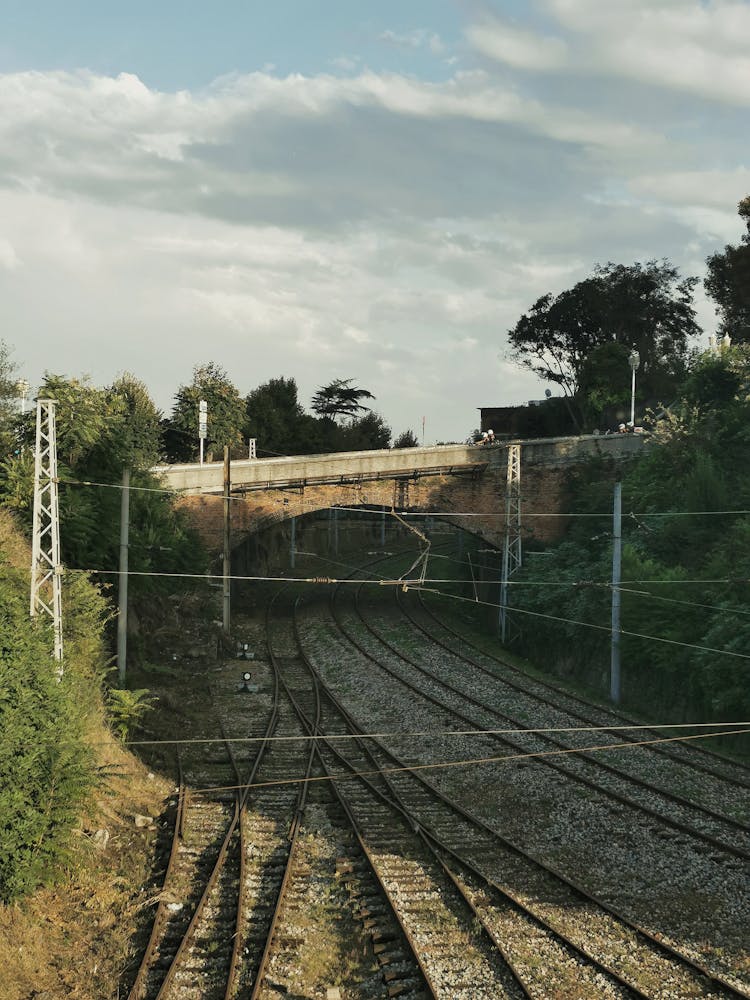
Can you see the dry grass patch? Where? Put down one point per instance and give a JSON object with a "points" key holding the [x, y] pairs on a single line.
{"points": [[74, 940]]}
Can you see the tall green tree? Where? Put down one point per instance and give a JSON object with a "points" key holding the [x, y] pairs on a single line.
{"points": [[643, 306], [276, 419], [728, 283], [99, 433], [340, 399], [364, 433], [8, 395], [139, 420], [226, 414]]}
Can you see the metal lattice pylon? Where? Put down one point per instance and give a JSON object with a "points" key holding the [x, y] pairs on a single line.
{"points": [[512, 542], [46, 570]]}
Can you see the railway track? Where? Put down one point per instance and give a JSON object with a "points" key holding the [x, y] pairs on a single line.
{"points": [[467, 850], [445, 681], [700, 758], [652, 854], [311, 831]]}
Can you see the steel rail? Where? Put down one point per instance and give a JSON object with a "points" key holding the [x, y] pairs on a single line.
{"points": [[437, 846], [579, 890], [544, 761], [139, 983], [559, 689]]}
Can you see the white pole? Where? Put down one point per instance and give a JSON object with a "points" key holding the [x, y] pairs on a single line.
{"points": [[122, 616], [632, 401], [614, 671]]}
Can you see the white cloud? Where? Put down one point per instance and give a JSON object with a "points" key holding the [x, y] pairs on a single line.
{"points": [[345, 63], [515, 46], [377, 226], [701, 48], [8, 257], [417, 39]]}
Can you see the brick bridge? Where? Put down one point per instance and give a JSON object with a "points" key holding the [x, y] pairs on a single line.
{"points": [[458, 479]]}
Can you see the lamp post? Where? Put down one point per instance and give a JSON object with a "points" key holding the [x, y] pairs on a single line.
{"points": [[634, 361]]}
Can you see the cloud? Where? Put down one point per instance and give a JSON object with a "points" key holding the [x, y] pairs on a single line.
{"points": [[701, 48], [346, 64], [517, 47], [322, 151], [417, 39], [375, 225]]}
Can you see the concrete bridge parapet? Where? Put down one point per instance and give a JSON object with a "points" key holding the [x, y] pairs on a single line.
{"points": [[466, 483]]}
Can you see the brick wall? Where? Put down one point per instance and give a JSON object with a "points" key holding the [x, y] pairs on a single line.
{"points": [[545, 468]]}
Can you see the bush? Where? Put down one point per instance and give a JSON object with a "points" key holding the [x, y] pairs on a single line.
{"points": [[46, 767]]}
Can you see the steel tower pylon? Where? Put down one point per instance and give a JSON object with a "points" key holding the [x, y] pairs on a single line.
{"points": [[46, 570], [512, 544]]}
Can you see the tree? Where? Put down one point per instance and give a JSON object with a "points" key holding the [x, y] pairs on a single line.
{"points": [[275, 418], [226, 414], [642, 306], [140, 422], [8, 394], [100, 432], [728, 283], [406, 439], [364, 433], [340, 399]]}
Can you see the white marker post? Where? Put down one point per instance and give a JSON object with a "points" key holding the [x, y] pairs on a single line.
{"points": [[202, 424]]}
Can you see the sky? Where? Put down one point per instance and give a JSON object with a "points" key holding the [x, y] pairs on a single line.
{"points": [[351, 189]]}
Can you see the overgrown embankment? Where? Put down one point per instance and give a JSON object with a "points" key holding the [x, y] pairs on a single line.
{"points": [[685, 584], [71, 857]]}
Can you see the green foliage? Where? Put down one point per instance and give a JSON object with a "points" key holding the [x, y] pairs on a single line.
{"points": [[226, 414], [642, 306], [728, 283], [8, 396], [100, 431], [276, 418], [363, 433], [46, 767], [127, 708], [678, 634], [408, 439], [340, 399]]}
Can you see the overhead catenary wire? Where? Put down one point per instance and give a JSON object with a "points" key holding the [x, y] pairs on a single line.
{"points": [[604, 584], [379, 508], [437, 733], [688, 604], [600, 628], [464, 762]]}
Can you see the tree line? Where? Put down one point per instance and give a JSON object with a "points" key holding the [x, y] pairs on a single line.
{"points": [[580, 340]]}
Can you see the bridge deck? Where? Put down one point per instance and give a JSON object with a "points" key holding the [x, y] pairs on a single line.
{"points": [[359, 466]]}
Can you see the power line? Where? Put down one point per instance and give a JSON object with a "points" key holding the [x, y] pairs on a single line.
{"points": [[582, 584], [377, 509], [689, 604], [601, 628], [438, 733], [455, 763]]}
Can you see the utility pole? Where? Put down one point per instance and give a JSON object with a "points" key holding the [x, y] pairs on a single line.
{"points": [[122, 594], [292, 543], [614, 671], [45, 548], [512, 542], [227, 616]]}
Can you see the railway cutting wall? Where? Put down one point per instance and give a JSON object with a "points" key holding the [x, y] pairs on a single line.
{"points": [[466, 484]]}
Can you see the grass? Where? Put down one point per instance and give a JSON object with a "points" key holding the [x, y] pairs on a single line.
{"points": [[68, 942]]}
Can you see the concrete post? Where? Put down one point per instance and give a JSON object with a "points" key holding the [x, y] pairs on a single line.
{"points": [[227, 616], [614, 673], [122, 590]]}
